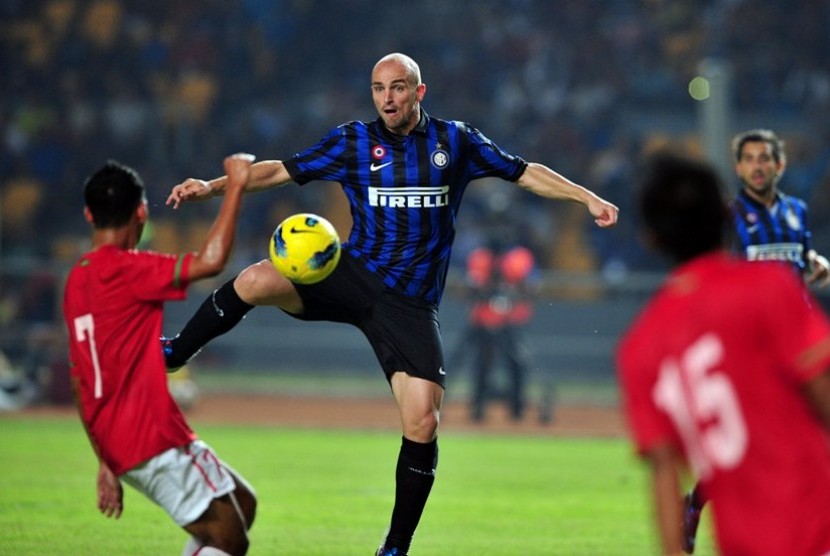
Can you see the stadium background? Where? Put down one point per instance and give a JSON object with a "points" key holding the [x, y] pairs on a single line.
{"points": [[586, 87]]}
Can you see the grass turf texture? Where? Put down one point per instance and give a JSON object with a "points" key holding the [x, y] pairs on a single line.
{"points": [[330, 492]]}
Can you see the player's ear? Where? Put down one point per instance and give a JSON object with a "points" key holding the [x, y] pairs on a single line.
{"points": [[782, 165], [420, 92], [88, 216], [142, 213]]}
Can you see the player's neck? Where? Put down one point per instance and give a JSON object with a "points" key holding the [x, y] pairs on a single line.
{"points": [[122, 238], [766, 197]]}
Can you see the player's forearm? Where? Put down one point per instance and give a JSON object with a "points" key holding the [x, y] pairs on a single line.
{"points": [[668, 512], [541, 180], [264, 175], [214, 254], [75, 385]]}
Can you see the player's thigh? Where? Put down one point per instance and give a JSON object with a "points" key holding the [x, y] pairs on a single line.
{"points": [[262, 284], [245, 496], [220, 525], [227, 518]]}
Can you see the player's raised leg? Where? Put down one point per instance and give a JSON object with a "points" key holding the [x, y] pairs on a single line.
{"points": [[221, 311]]}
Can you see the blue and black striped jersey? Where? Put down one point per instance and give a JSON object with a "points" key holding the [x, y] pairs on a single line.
{"points": [[779, 233], [404, 192]]}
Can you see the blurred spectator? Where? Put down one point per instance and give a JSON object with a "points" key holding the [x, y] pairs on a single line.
{"points": [[20, 200], [501, 282]]}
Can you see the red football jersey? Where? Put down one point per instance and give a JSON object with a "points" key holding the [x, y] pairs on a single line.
{"points": [[714, 365], [113, 307]]}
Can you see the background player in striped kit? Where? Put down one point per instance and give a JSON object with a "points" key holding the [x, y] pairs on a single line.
{"points": [[404, 175], [768, 225], [113, 305]]}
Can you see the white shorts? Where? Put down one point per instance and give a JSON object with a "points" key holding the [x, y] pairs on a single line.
{"points": [[183, 480]]}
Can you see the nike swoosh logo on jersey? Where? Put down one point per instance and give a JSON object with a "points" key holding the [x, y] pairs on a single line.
{"points": [[375, 167], [294, 230]]}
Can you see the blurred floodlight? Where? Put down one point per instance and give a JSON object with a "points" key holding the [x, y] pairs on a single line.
{"points": [[699, 88]]}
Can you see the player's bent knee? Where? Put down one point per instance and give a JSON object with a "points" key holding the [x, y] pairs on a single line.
{"points": [[423, 429], [232, 546], [261, 284], [237, 545], [233, 542], [221, 525], [256, 283]]}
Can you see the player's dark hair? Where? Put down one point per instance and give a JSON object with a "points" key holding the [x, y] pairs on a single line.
{"points": [[112, 194], [682, 205], [759, 136]]}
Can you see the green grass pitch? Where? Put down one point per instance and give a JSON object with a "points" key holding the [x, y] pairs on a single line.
{"points": [[326, 492]]}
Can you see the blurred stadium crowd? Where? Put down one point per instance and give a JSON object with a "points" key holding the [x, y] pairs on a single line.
{"points": [[171, 87], [586, 87]]}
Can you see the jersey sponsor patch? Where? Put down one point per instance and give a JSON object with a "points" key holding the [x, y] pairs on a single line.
{"points": [[790, 252], [409, 197]]}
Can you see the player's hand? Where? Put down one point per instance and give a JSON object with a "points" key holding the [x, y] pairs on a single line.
{"points": [[110, 492], [605, 214], [819, 271], [189, 190], [238, 169]]}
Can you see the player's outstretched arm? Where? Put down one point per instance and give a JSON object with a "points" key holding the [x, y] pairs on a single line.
{"points": [[263, 175], [211, 259], [541, 180]]}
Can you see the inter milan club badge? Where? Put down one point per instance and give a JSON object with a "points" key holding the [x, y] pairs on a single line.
{"points": [[439, 157], [792, 220]]}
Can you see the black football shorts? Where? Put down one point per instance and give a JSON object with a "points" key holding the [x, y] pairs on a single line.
{"points": [[403, 331]]}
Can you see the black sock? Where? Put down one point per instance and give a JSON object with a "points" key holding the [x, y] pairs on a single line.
{"points": [[220, 312], [698, 497], [414, 476]]}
